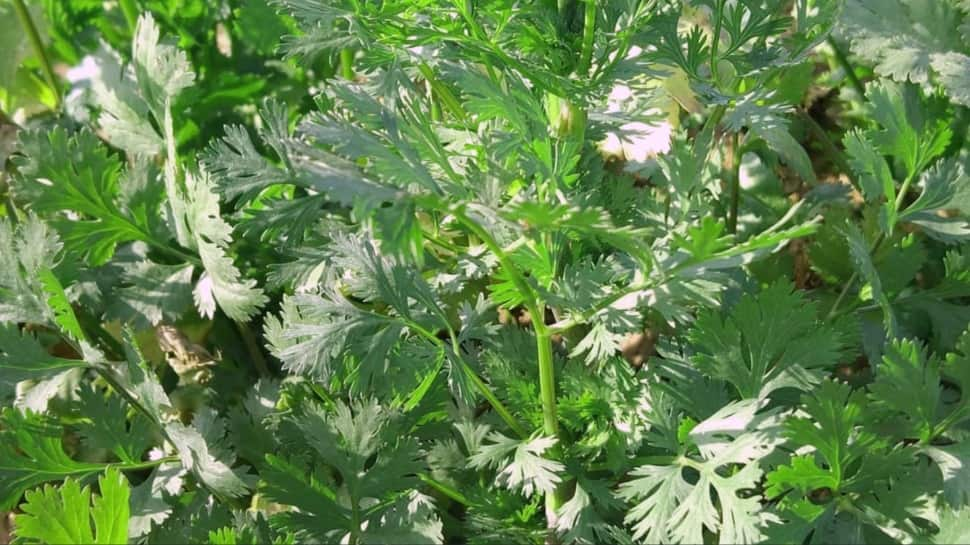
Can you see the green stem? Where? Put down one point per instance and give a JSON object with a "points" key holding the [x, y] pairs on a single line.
{"points": [[443, 93], [444, 489], [589, 35], [735, 181], [354, 522], [835, 155], [843, 61], [855, 275], [172, 188], [252, 347], [347, 64], [479, 384], [35, 43], [903, 189], [146, 465], [716, 37], [547, 370], [493, 400], [130, 10], [550, 420], [547, 379]]}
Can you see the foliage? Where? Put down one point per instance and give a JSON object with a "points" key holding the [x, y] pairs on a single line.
{"points": [[586, 271]]}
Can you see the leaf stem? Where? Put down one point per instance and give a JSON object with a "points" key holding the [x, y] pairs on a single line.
{"points": [[347, 63], [444, 489], [35, 43], [716, 37], [589, 35], [855, 275], [252, 347], [145, 465], [834, 153], [493, 400], [843, 61], [477, 381], [130, 11], [735, 181], [547, 370]]}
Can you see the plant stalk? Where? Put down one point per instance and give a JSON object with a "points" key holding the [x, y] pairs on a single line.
{"points": [[716, 37], [843, 61], [589, 35], [550, 420], [130, 11], [448, 491], [347, 64], [735, 181], [252, 347], [38, 46]]}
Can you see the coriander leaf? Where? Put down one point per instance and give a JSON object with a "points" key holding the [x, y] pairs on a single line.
{"points": [[124, 118], [151, 293], [411, 519], [765, 338], [908, 387], [671, 508], [953, 462], [522, 465], [221, 283], [148, 505], [766, 122], [25, 250], [202, 450], [875, 177], [161, 70], [862, 260], [954, 526], [31, 453], [106, 425], [855, 458], [910, 132], [940, 184], [61, 172], [910, 40], [65, 514], [372, 460]]}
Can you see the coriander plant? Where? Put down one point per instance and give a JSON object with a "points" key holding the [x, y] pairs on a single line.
{"points": [[584, 271]]}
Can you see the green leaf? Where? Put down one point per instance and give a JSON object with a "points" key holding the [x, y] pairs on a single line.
{"points": [[855, 458], [221, 283], [910, 40], [766, 122], [106, 425], [75, 173], [31, 453], [151, 293], [910, 132], [908, 387], [522, 465], [362, 444], [769, 340], [65, 514], [25, 250], [162, 70], [954, 526], [201, 448], [875, 178], [672, 508], [862, 260], [953, 462]]}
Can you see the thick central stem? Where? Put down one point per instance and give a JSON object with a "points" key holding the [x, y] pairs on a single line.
{"points": [[550, 420]]}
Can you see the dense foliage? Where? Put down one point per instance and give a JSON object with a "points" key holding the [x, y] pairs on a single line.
{"points": [[424, 271]]}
